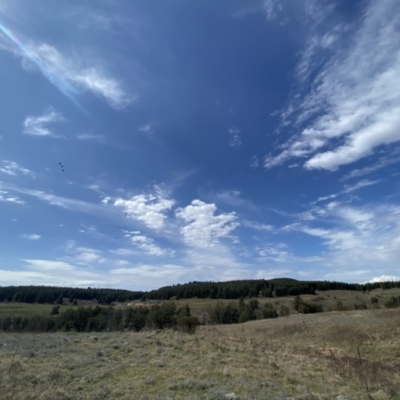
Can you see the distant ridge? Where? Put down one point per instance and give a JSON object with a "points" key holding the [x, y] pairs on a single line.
{"points": [[283, 280], [276, 287]]}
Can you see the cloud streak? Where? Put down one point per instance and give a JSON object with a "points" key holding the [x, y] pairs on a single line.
{"points": [[38, 125], [14, 169], [351, 111], [33, 236], [71, 75]]}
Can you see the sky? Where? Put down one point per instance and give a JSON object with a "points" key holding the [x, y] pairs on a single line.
{"points": [[147, 143]]}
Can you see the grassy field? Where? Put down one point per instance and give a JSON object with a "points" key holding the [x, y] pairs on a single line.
{"points": [[336, 355], [28, 310], [327, 299]]}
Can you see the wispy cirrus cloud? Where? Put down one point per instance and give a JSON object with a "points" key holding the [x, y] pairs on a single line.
{"points": [[8, 198], [63, 202], [367, 237], [38, 125], [71, 74], [349, 189], [91, 137], [147, 128], [32, 236], [352, 111], [147, 244], [14, 169], [383, 162]]}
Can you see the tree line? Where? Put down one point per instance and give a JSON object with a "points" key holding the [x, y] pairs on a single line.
{"points": [[256, 288], [160, 316], [98, 319], [232, 290], [52, 294]]}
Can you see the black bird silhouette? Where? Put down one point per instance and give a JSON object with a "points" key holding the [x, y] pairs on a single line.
{"points": [[62, 167]]}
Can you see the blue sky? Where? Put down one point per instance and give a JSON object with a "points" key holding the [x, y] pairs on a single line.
{"points": [[147, 143]]}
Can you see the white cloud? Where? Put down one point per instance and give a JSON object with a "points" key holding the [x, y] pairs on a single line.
{"points": [[106, 200], [49, 265], [203, 228], [280, 253], [257, 225], [63, 202], [147, 128], [70, 74], [147, 208], [153, 271], [38, 125], [384, 278], [365, 237], [352, 110], [13, 169], [232, 198], [393, 158], [6, 197], [235, 137], [254, 162], [91, 137], [147, 244], [90, 230], [33, 236], [122, 252], [348, 189], [55, 273], [87, 257], [271, 8]]}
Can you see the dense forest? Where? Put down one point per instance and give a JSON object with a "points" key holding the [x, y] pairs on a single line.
{"points": [[254, 288], [51, 295], [214, 290]]}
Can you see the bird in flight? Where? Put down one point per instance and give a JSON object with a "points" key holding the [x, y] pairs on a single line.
{"points": [[62, 167]]}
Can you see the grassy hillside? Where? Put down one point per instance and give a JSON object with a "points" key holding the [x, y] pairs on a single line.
{"points": [[328, 299], [320, 356]]}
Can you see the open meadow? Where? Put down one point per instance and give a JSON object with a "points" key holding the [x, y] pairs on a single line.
{"points": [[335, 355]]}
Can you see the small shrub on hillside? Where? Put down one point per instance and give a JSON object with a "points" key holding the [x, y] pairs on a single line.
{"points": [[393, 302], [360, 306], [339, 306], [374, 300], [306, 308], [55, 310], [187, 324], [269, 311], [284, 311]]}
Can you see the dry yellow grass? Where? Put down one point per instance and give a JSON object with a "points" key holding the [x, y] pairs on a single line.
{"points": [[308, 356]]}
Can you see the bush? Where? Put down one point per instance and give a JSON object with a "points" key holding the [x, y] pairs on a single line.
{"points": [[360, 306], [163, 316], [393, 302], [339, 306], [306, 308], [187, 324], [55, 310], [374, 300], [269, 311], [284, 311]]}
